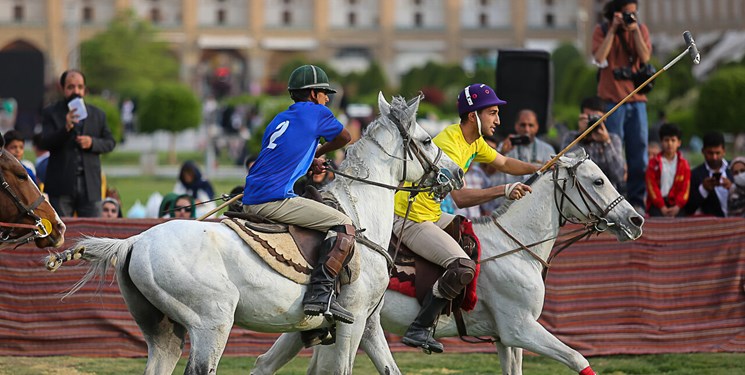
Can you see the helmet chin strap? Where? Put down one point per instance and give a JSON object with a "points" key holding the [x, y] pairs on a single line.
{"points": [[478, 122]]}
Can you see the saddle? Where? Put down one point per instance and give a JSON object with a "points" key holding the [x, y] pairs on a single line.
{"points": [[414, 276], [290, 250]]}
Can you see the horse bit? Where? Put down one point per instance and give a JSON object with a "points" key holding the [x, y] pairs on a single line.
{"points": [[41, 227]]}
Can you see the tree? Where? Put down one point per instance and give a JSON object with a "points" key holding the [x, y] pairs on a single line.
{"points": [[127, 58], [719, 104], [113, 117], [172, 108]]}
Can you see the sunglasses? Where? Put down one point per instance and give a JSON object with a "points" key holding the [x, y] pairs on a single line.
{"points": [[184, 209]]}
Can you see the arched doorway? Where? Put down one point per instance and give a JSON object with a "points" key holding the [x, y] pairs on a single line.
{"points": [[22, 77], [223, 72]]}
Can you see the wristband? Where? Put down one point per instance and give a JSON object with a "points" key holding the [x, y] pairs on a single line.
{"points": [[508, 188]]}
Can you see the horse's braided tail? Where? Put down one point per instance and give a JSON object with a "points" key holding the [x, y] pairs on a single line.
{"points": [[101, 253]]}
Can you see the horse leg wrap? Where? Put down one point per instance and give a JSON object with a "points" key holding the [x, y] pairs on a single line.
{"points": [[587, 371], [458, 274], [341, 250]]}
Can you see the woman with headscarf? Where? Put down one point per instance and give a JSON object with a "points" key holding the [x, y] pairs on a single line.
{"points": [[191, 182], [736, 198]]}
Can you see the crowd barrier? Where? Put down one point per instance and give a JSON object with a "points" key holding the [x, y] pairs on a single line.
{"points": [[677, 289]]}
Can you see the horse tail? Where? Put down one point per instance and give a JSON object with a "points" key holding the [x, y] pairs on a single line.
{"points": [[101, 252]]}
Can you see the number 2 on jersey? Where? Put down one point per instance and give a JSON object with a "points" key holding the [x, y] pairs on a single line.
{"points": [[281, 128]]}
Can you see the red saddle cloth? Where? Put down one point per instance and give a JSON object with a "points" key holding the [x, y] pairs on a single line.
{"points": [[410, 268]]}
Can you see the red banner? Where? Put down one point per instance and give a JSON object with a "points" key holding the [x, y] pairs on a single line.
{"points": [[677, 289]]}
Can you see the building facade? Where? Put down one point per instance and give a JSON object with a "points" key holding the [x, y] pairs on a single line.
{"points": [[248, 40]]}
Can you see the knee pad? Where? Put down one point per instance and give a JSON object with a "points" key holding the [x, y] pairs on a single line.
{"points": [[457, 275], [342, 249]]}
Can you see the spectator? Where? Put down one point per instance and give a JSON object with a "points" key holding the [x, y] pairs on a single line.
{"points": [[289, 148], [668, 176], [602, 147], [191, 182], [478, 107], [14, 144], [736, 199], [530, 149], [620, 45], [710, 182], [167, 204], [73, 177], [493, 178], [653, 149], [184, 207], [110, 208], [42, 160], [128, 116]]}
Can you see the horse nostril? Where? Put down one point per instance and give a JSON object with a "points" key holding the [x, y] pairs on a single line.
{"points": [[637, 220]]}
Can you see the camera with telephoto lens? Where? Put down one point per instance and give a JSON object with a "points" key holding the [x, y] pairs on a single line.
{"points": [[629, 17], [518, 140], [591, 119]]}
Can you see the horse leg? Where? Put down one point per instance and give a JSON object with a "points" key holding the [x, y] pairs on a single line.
{"points": [[207, 346], [164, 338], [530, 335], [510, 359], [375, 345], [338, 359], [287, 346]]}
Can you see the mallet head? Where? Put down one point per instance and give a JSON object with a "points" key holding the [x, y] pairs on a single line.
{"points": [[692, 49]]}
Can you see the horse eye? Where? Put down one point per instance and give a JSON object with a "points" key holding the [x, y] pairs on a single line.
{"points": [[599, 182], [22, 177], [427, 141]]}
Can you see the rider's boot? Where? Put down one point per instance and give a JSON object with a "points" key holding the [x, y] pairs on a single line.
{"points": [[457, 275], [419, 334], [335, 252]]}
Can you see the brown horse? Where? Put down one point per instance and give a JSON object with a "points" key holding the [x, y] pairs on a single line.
{"points": [[25, 215]]}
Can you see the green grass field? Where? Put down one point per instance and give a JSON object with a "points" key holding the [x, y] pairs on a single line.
{"points": [[410, 363]]}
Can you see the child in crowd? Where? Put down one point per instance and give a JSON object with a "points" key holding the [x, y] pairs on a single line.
{"points": [[14, 143], [668, 176]]}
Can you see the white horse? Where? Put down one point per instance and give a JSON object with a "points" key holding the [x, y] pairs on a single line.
{"points": [[200, 277], [511, 289]]}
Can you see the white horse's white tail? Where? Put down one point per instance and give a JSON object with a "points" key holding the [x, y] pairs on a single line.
{"points": [[101, 253]]}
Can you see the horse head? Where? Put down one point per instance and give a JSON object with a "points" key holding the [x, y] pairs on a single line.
{"points": [[420, 159], [25, 215], [584, 195]]}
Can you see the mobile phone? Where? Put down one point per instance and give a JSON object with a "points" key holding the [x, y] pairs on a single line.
{"points": [[518, 140], [717, 176]]}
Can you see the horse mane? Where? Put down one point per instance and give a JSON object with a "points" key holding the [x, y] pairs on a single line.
{"points": [[398, 109]]}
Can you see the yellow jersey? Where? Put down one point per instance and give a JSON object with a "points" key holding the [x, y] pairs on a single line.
{"points": [[452, 143]]}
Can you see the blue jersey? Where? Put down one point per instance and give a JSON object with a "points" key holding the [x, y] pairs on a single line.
{"points": [[287, 151]]}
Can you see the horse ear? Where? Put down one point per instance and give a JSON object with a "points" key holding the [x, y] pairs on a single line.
{"points": [[385, 108], [413, 104]]}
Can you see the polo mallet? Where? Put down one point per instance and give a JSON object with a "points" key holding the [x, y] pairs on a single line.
{"points": [[220, 207], [691, 49]]}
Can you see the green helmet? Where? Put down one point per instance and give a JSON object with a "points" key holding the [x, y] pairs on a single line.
{"points": [[309, 77]]}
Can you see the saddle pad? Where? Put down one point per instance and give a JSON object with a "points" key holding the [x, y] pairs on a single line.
{"points": [[404, 274], [281, 253]]}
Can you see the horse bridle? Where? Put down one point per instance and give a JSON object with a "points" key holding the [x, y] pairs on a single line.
{"points": [[596, 221], [444, 181], [36, 230]]}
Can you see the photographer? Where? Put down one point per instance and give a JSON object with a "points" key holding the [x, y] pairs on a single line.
{"points": [[523, 146], [604, 148], [620, 46], [711, 180]]}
